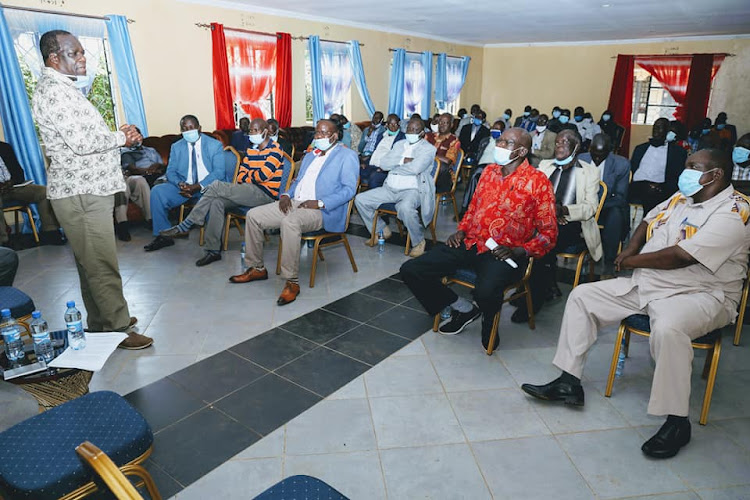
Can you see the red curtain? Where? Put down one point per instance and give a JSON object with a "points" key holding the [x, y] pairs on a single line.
{"points": [[621, 98], [252, 71], [283, 98], [702, 70], [672, 72], [222, 94]]}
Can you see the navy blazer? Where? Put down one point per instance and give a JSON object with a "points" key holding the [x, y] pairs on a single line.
{"points": [[335, 186], [676, 157], [616, 177], [212, 152]]}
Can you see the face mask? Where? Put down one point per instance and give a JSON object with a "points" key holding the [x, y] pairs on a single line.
{"points": [[347, 125], [541, 128], [578, 118], [496, 134], [567, 160], [191, 135], [256, 138], [556, 114], [605, 118], [671, 136], [323, 144], [506, 116], [720, 126], [80, 81], [526, 113], [740, 154], [275, 138], [706, 131], [376, 125], [392, 132], [434, 127], [477, 121], [689, 181], [412, 138], [502, 156], [564, 119]]}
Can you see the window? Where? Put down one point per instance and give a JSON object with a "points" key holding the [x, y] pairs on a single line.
{"points": [[99, 92], [345, 107], [650, 99], [252, 74]]}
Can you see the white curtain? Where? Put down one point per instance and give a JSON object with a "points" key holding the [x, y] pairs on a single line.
{"points": [[337, 75], [414, 83]]}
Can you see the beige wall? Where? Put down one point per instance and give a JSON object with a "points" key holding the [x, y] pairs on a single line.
{"points": [[575, 75], [174, 56]]}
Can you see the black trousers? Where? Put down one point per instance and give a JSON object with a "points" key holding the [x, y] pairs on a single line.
{"points": [[616, 224], [649, 194], [423, 274], [544, 272]]}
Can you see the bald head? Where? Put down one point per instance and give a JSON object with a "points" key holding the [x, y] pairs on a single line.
{"points": [[516, 139]]}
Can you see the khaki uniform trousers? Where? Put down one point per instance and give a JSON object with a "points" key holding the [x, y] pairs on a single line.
{"points": [[30, 194], [87, 221], [292, 225], [675, 321]]}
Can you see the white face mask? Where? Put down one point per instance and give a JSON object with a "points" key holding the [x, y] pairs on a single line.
{"points": [[275, 138], [412, 138], [256, 138], [80, 81], [434, 127], [541, 128], [502, 156]]}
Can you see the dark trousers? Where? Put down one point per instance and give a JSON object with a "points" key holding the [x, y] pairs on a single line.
{"points": [[649, 194], [423, 274], [8, 266], [616, 224], [371, 177], [544, 272]]}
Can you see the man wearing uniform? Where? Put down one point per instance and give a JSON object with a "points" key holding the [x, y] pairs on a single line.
{"points": [[689, 257]]}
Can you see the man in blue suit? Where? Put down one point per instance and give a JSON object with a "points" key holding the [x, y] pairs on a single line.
{"points": [[317, 199], [614, 171], [195, 161]]}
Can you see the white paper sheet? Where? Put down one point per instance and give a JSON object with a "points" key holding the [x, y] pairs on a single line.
{"points": [[99, 347]]}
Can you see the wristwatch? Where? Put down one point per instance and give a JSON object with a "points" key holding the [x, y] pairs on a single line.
{"points": [[320, 204]]}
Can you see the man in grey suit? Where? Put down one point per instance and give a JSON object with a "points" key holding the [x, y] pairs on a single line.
{"points": [[615, 217], [409, 185]]}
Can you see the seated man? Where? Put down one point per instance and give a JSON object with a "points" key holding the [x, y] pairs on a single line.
{"points": [[741, 159], [239, 139], [586, 127], [11, 190], [371, 136], [564, 121], [273, 133], [505, 118], [487, 157], [370, 174], [608, 126], [689, 257], [470, 137], [318, 199], [447, 146], [195, 161], [409, 185], [721, 119], [515, 206], [614, 171], [529, 122], [258, 183], [554, 124], [524, 116], [656, 166], [467, 118], [542, 142], [576, 187]]}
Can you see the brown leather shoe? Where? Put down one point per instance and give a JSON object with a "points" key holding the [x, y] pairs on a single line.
{"points": [[252, 274], [288, 294], [133, 322], [136, 341]]}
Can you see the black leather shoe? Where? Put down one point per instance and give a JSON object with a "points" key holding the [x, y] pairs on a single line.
{"points": [[159, 243], [557, 390], [208, 259], [52, 238], [123, 233], [668, 440]]}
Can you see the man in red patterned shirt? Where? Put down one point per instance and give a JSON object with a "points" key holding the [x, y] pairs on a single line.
{"points": [[514, 205]]}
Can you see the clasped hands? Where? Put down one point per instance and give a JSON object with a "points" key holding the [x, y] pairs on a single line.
{"points": [[622, 260], [188, 190], [500, 252], [285, 204]]}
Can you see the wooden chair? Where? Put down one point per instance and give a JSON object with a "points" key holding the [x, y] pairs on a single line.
{"points": [[323, 239], [743, 306], [390, 210], [22, 208], [237, 214], [581, 256], [468, 279], [116, 478], [639, 325]]}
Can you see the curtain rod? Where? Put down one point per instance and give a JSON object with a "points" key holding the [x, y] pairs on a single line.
{"points": [[725, 54], [71, 14], [324, 40], [204, 25], [434, 54]]}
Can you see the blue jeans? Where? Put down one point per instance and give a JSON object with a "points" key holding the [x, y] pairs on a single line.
{"points": [[165, 197]]}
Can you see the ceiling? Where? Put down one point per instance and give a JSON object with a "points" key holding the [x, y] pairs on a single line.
{"points": [[486, 22]]}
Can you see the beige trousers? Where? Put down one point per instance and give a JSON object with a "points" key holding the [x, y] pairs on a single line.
{"points": [[87, 221], [292, 225], [675, 321], [30, 194], [138, 191]]}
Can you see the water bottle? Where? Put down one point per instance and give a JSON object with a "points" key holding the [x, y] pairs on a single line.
{"points": [[620, 360], [242, 257], [381, 242], [445, 313], [76, 336], [11, 332], [42, 341]]}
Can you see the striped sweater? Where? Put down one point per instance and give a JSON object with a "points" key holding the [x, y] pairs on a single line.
{"points": [[263, 168]]}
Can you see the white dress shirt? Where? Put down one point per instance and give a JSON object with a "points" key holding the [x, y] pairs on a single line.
{"points": [[400, 182], [384, 146], [202, 170], [306, 188], [653, 165], [536, 140]]}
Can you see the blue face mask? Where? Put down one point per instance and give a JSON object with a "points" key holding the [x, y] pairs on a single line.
{"points": [[578, 118], [323, 144], [496, 134], [605, 118], [740, 154], [567, 160], [506, 116], [191, 136], [671, 136], [477, 121], [720, 126], [555, 114], [564, 119], [392, 132], [347, 125], [706, 131], [689, 181], [526, 113]]}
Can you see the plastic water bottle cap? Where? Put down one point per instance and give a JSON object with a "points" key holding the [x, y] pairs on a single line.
{"points": [[71, 303], [36, 314], [5, 313]]}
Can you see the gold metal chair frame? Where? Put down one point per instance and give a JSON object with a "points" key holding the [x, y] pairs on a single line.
{"points": [[743, 306], [455, 173], [21, 208], [522, 284], [337, 238], [709, 368], [582, 255]]}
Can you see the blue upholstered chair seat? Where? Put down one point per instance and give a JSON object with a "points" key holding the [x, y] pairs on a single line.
{"points": [[298, 487], [238, 211], [643, 323], [38, 458], [18, 302]]}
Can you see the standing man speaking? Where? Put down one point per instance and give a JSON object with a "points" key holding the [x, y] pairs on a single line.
{"points": [[82, 178]]}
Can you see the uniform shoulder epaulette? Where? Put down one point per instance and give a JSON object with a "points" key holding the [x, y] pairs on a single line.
{"points": [[741, 205]]}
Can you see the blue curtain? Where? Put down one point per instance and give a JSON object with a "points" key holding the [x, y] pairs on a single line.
{"points": [[127, 72], [15, 110], [336, 73], [316, 75], [358, 70], [450, 77], [427, 98], [396, 90]]}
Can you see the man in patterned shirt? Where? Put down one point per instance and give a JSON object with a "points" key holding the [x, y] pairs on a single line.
{"points": [[82, 178], [514, 205], [741, 159], [258, 183]]}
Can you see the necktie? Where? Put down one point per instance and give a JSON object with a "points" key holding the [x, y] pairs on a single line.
{"points": [[193, 165], [555, 178]]}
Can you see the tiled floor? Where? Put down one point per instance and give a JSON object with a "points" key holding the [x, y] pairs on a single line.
{"points": [[345, 385]]}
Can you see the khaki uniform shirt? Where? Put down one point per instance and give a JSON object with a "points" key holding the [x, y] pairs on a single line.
{"points": [[84, 153]]}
